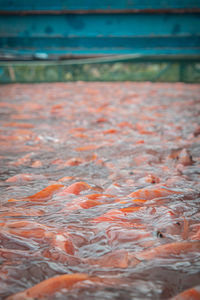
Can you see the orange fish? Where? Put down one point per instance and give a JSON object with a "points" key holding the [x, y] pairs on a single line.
{"points": [[21, 125], [190, 294], [137, 201], [131, 209], [197, 131], [195, 233], [36, 164], [185, 231], [27, 229], [22, 212], [63, 242], [150, 194], [44, 194], [66, 178], [50, 286], [166, 250], [113, 215], [76, 161], [87, 201], [110, 131], [10, 254], [123, 259], [87, 148], [98, 196], [33, 230], [117, 216], [24, 177], [117, 259], [76, 188], [26, 159], [185, 158], [60, 256], [125, 124], [151, 178], [119, 236]]}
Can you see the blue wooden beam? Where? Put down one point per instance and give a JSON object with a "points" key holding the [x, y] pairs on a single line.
{"points": [[117, 43], [73, 5], [109, 25], [99, 32]]}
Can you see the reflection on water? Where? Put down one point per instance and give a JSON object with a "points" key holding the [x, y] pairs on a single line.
{"points": [[100, 179]]}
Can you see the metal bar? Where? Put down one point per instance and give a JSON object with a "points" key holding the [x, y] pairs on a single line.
{"points": [[110, 59]]}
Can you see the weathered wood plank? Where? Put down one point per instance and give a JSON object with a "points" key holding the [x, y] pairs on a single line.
{"points": [[134, 43], [97, 32], [84, 5], [99, 25]]}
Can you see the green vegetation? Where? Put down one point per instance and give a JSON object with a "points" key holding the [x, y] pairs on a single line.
{"points": [[115, 71]]}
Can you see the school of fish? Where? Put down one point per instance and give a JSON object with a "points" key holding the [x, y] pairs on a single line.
{"points": [[100, 191]]}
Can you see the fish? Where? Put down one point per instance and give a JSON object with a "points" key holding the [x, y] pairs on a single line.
{"points": [[152, 193], [110, 131], [24, 177], [124, 259], [189, 294], [118, 216], [118, 236], [116, 259], [185, 158], [75, 161], [98, 196], [167, 250], [60, 256], [25, 160], [136, 201], [80, 203], [63, 242], [125, 124], [75, 188], [26, 229], [196, 131], [20, 125], [185, 232], [36, 164], [195, 233], [151, 178], [33, 230], [113, 215], [22, 212], [87, 201], [44, 194], [66, 178], [131, 209], [182, 156], [10, 254], [87, 148], [50, 286]]}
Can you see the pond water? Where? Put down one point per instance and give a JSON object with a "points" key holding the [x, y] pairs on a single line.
{"points": [[99, 182]]}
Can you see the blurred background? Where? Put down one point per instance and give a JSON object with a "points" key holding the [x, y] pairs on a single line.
{"points": [[107, 40]]}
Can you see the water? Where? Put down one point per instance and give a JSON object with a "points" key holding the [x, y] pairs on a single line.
{"points": [[117, 138]]}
